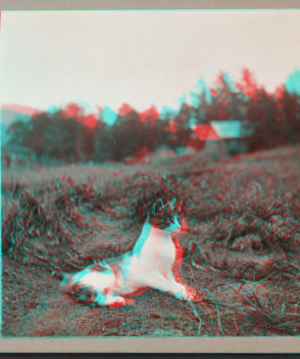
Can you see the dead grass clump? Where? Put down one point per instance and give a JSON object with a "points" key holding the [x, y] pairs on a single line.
{"points": [[25, 220], [146, 188], [242, 307], [48, 223], [35, 223], [274, 220], [70, 194]]}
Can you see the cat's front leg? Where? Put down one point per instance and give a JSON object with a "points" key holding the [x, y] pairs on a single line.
{"points": [[189, 293], [180, 291]]}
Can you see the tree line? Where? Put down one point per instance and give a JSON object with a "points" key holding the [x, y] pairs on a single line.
{"points": [[71, 135]]}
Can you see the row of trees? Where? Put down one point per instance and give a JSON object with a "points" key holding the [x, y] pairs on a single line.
{"points": [[274, 116], [71, 135]]}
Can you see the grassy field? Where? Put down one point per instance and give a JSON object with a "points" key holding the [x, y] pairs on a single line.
{"points": [[242, 253]]}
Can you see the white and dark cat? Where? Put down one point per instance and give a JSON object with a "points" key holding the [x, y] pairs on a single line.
{"points": [[152, 263]]}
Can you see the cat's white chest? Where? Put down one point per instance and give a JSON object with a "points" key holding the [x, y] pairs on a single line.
{"points": [[157, 254]]}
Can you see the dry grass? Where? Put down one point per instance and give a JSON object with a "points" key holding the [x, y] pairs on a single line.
{"points": [[242, 254]]}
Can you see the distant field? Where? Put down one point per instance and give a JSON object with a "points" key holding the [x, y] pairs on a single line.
{"points": [[244, 220]]}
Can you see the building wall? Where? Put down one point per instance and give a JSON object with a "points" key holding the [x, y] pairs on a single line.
{"points": [[228, 146]]}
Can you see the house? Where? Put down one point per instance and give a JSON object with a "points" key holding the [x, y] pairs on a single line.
{"points": [[232, 129], [200, 135], [225, 136], [16, 154], [205, 132]]}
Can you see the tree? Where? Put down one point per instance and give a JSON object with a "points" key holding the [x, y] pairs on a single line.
{"points": [[288, 117], [226, 101], [39, 126], [292, 84], [103, 141], [129, 135], [179, 127], [18, 132]]}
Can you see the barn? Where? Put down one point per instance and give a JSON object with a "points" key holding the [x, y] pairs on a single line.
{"points": [[229, 136]]}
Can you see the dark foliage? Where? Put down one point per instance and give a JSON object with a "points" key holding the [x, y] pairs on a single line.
{"points": [[71, 135]]}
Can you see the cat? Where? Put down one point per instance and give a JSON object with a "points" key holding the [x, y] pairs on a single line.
{"points": [[152, 263]]}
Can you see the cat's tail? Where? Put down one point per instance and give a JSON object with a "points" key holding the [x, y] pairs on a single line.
{"points": [[61, 275], [65, 278]]}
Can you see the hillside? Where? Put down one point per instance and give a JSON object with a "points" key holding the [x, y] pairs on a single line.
{"points": [[242, 253]]}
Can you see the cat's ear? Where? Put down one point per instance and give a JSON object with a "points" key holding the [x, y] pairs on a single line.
{"points": [[157, 206], [172, 203], [179, 205]]}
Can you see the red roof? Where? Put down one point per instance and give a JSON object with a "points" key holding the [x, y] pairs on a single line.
{"points": [[206, 133]]}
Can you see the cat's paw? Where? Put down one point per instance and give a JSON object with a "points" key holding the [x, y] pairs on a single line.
{"points": [[129, 302], [122, 303], [191, 295]]}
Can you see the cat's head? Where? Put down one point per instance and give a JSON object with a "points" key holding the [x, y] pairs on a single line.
{"points": [[165, 217]]}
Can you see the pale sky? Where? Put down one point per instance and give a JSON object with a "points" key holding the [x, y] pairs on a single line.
{"points": [[107, 58]]}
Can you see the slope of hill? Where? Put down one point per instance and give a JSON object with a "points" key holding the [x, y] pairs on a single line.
{"points": [[10, 113], [241, 253]]}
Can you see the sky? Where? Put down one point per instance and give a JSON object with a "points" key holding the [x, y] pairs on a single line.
{"points": [[144, 58]]}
